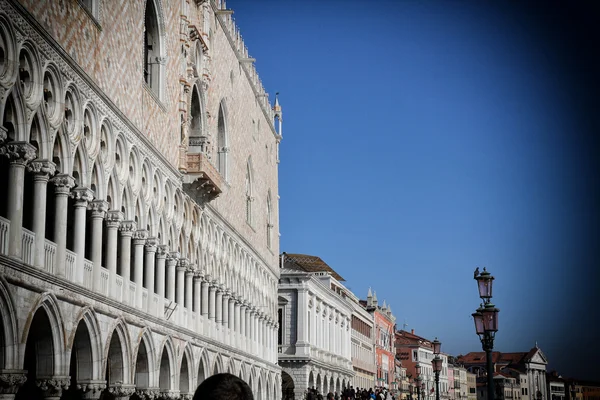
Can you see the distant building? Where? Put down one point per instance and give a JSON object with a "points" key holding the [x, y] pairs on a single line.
{"points": [[363, 345], [532, 364], [471, 386], [314, 336], [556, 386], [384, 322]]}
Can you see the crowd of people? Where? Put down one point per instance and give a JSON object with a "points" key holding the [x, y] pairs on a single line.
{"points": [[351, 394]]}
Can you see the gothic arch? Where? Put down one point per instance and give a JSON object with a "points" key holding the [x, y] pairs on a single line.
{"points": [[155, 34], [118, 355], [53, 95], [9, 348], [30, 74], [80, 170], [222, 140], [203, 364], [186, 376], [48, 303], [167, 365], [88, 317], [9, 71], [13, 117], [145, 361]]}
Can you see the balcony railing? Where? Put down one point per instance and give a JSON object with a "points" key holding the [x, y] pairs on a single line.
{"points": [[203, 182]]}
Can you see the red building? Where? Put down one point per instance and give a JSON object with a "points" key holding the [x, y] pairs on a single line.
{"points": [[384, 327]]}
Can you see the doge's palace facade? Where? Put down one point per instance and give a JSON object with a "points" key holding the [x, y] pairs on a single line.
{"points": [[138, 201]]}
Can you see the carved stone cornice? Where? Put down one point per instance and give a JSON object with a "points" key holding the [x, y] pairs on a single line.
{"points": [[63, 184], [98, 208], [127, 228], [41, 168], [11, 380], [19, 153], [91, 389], [53, 386]]}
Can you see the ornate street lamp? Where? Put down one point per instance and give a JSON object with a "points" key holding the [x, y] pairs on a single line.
{"points": [[410, 391], [437, 366], [486, 323], [418, 380]]}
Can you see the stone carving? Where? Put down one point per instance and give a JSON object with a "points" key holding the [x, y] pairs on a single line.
{"points": [[18, 152], [98, 208], [91, 389], [128, 227], [63, 183], [53, 386], [148, 393], [82, 196], [152, 244], [42, 167], [121, 392], [162, 250], [140, 236], [113, 218], [11, 381], [169, 395]]}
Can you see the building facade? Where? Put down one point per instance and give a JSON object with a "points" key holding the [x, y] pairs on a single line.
{"points": [[315, 316], [385, 325], [363, 345], [139, 216], [471, 386]]}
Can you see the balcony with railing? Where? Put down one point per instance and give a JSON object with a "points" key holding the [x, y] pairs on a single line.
{"points": [[202, 181]]}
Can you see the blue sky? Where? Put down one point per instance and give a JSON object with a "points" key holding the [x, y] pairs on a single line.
{"points": [[423, 139]]}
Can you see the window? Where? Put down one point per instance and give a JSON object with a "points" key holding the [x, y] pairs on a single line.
{"points": [[249, 198], [269, 221], [222, 149], [153, 53], [280, 329]]}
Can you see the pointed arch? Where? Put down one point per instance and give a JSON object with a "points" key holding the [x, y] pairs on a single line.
{"points": [[39, 136], [186, 382], [222, 141], [197, 123], [8, 329], [46, 319], [80, 166], [97, 182], [87, 317], [154, 47], [218, 365], [112, 190], [166, 369], [145, 364], [13, 118], [203, 365], [118, 353]]}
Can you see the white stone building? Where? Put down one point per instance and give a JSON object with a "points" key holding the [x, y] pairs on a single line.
{"points": [[363, 345], [138, 211], [315, 316]]}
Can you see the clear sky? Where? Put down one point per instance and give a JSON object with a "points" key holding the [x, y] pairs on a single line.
{"points": [[423, 139]]}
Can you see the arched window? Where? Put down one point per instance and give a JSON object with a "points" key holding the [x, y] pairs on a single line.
{"points": [[196, 127], [269, 222], [249, 198], [222, 148], [153, 51]]}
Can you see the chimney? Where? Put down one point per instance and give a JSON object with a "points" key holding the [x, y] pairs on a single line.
{"points": [[412, 331]]}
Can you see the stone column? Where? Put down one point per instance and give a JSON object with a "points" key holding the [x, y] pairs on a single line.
{"points": [[189, 276], [63, 184], [139, 240], [226, 294], [42, 170], [219, 304], [98, 208], [238, 315], [204, 304], [212, 289], [149, 283], [161, 258], [231, 322], [127, 229], [180, 289], [11, 381], [197, 295], [52, 387], [252, 329], [19, 154], [172, 261], [81, 196], [302, 344], [113, 221], [243, 315]]}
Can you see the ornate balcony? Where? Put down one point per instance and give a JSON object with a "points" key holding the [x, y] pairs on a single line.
{"points": [[202, 180]]}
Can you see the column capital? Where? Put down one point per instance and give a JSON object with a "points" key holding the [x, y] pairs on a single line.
{"points": [[121, 391], [91, 389], [11, 380], [190, 270], [82, 196], [53, 386], [98, 208], [42, 169], [174, 255], [207, 278], [18, 152], [139, 237], [63, 183], [113, 218], [152, 244], [162, 251], [127, 228], [226, 293]]}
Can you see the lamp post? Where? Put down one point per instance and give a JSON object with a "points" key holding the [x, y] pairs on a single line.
{"points": [[437, 366], [410, 391], [418, 380], [486, 324]]}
